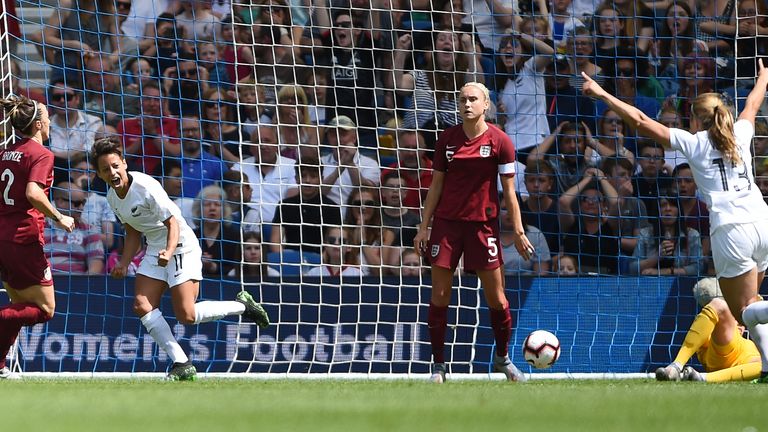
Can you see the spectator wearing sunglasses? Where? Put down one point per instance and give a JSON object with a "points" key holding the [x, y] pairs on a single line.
{"points": [[80, 251], [339, 258], [363, 221], [72, 130]]}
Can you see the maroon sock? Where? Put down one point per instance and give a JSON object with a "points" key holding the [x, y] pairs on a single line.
{"points": [[501, 322], [12, 318], [437, 319]]}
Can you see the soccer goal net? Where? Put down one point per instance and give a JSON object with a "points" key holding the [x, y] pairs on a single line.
{"points": [[297, 139]]}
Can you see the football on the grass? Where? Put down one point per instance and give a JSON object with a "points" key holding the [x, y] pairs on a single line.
{"points": [[541, 349]]}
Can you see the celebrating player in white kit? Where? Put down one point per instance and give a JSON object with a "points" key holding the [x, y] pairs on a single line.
{"points": [[721, 160], [173, 257]]}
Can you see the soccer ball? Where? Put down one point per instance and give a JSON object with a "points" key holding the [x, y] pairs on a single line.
{"points": [[541, 349]]}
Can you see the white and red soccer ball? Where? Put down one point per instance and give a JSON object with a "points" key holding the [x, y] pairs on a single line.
{"points": [[541, 349]]}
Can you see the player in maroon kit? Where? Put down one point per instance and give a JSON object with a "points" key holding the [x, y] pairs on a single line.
{"points": [[26, 174], [464, 200]]}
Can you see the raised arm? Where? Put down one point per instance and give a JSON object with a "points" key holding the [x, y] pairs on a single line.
{"points": [[756, 96], [632, 116]]}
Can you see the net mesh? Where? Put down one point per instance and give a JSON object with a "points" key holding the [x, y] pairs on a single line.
{"points": [[297, 140]]}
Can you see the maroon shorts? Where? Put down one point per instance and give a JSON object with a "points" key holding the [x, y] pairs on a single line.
{"points": [[24, 265], [478, 241]]}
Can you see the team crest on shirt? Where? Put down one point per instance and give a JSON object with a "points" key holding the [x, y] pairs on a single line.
{"points": [[435, 250], [485, 151]]}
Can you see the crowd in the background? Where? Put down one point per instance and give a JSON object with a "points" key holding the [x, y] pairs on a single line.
{"points": [[303, 130]]}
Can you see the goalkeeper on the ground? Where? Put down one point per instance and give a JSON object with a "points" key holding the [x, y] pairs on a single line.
{"points": [[717, 340]]}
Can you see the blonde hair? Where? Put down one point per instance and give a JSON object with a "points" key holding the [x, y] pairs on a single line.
{"points": [[479, 86], [302, 103], [716, 117]]}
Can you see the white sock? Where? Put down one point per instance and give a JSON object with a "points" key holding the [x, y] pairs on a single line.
{"points": [[755, 317], [206, 311], [160, 331]]}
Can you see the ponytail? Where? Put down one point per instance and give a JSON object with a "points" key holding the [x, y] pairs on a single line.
{"points": [[22, 113], [721, 134]]}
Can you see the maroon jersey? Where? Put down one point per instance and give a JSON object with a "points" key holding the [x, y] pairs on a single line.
{"points": [[23, 162], [471, 167]]}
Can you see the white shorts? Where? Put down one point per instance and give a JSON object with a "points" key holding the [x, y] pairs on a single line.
{"points": [[738, 248], [181, 268]]}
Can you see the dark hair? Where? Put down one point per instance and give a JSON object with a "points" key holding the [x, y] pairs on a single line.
{"points": [[233, 177], [23, 112], [105, 146], [680, 167], [611, 163], [308, 164], [165, 166]]}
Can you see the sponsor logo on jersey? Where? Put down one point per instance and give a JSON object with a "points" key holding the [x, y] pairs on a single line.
{"points": [[485, 151], [435, 250]]}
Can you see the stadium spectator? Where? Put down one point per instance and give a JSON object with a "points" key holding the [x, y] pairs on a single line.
{"points": [[220, 125], [514, 264], [344, 168], [278, 14], [669, 117], [143, 16], [237, 187], [299, 221], [170, 176], [580, 54], [316, 85], [197, 20], [519, 84], [676, 43], [698, 78], [413, 166], [395, 217], [251, 102], [610, 35], [463, 175], [752, 26], [114, 257], [639, 23], [141, 204], [614, 134], [96, 213], [72, 130], [350, 52], [293, 122], [562, 22], [233, 44], [715, 24], [491, 19], [410, 264], [564, 265], [340, 256], [199, 168], [219, 238], [652, 178], [272, 177], [252, 266], [575, 151], [564, 102], [541, 209], [153, 135], [589, 237], [80, 29], [166, 44], [451, 62], [137, 71], [185, 85], [627, 76], [627, 214], [693, 212], [81, 250], [208, 58], [25, 270], [668, 246], [364, 229], [104, 96], [718, 341], [451, 15]]}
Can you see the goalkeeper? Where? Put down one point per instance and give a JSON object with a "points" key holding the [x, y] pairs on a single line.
{"points": [[717, 340]]}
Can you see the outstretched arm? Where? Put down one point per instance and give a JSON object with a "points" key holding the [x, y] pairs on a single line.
{"points": [[756, 96], [631, 115]]}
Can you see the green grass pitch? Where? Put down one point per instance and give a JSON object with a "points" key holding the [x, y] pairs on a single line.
{"points": [[229, 405]]}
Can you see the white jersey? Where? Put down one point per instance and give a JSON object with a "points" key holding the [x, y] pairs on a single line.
{"points": [[145, 207], [729, 191]]}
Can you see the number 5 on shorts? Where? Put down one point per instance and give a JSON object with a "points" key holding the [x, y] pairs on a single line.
{"points": [[493, 248]]}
